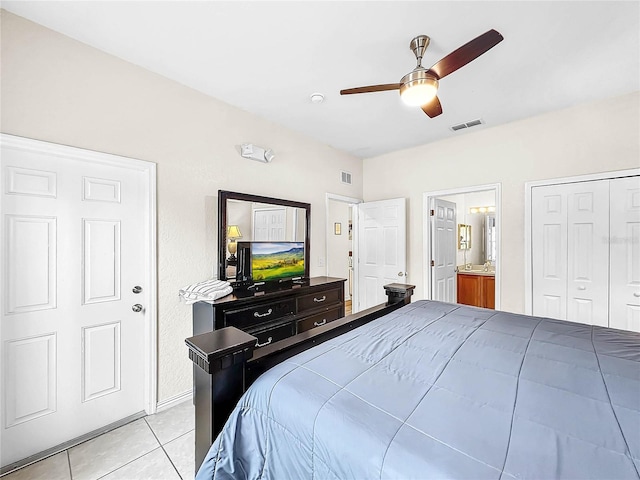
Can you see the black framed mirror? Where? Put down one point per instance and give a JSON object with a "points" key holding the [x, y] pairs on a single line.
{"points": [[246, 217]]}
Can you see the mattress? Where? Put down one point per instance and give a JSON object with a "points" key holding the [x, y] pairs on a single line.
{"points": [[436, 390]]}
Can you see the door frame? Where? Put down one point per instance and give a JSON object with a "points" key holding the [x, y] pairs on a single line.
{"points": [[427, 227], [528, 216], [151, 298], [329, 231]]}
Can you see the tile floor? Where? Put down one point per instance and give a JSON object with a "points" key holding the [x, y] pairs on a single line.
{"points": [[155, 447]]}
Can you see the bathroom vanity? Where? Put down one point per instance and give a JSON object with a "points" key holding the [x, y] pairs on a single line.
{"points": [[477, 287]]}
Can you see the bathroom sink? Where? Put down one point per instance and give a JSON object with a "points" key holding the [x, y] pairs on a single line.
{"points": [[477, 270]]}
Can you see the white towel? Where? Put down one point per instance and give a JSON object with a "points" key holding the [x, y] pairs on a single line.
{"points": [[206, 291]]}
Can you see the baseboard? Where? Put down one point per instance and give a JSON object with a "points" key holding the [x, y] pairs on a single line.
{"points": [[173, 401]]}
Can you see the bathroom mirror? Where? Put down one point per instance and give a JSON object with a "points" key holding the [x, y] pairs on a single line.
{"points": [[464, 237], [245, 217]]}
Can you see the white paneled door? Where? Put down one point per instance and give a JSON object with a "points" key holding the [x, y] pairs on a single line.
{"points": [[381, 250], [625, 254], [549, 251], [443, 246], [570, 252], [586, 252], [269, 224], [73, 254]]}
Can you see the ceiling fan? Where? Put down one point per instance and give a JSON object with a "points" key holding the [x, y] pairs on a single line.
{"points": [[420, 86]]}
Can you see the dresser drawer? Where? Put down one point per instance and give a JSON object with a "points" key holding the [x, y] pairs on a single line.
{"points": [[318, 319], [326, 298], [268, 336], [261, 313]]}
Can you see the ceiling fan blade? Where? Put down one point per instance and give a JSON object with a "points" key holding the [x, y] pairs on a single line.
{"points": [[433, 108], [466, 53], [371, 88]]}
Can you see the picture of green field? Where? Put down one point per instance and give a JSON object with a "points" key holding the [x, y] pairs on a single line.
{"points": [[271, 261]]}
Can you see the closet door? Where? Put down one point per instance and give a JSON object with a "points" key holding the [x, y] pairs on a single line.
{"points": [[570, 226], [549, 251], [588, 252], [625, 254]]}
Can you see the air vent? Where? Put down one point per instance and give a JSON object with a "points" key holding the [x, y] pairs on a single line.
{"points": [[345, 177], [469, 124]]}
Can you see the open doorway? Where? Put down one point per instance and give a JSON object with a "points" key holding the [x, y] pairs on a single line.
{"points": [[339, 242], [462, 245]]}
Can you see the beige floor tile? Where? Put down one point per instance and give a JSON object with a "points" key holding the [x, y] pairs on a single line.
{"points": [[152, 466], [102, 455], [181, 451], [55, 467], [172, 423]]}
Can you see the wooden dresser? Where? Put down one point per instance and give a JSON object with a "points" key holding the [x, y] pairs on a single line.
{"points": [[274, 315]]}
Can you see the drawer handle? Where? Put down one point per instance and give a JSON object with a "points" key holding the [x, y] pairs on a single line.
{"points": [[318, 300], [636, 294], [269, 340], [265, 314], [316, 324], [582, 287]]}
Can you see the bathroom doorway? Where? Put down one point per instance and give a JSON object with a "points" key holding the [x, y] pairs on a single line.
{"points": [[474, 245], [339, 242]]}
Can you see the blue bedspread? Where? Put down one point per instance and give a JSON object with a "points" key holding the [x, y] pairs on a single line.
{"points": [[435, 390]]}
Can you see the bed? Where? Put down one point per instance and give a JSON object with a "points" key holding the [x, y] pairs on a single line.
{"points": [[436, 390]]}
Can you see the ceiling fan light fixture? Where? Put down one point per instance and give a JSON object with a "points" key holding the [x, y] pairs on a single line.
{"points": [[418, 88]]}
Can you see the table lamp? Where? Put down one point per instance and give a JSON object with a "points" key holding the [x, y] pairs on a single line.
{"points": [[233, 232]]}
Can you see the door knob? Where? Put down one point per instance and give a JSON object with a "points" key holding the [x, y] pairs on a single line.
{"points": [[137, 308], [400, 274], [136, 289]]}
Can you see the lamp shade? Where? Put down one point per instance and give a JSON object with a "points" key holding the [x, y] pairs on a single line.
{"points": [[420, 92], [418, 87], [233, 232]]}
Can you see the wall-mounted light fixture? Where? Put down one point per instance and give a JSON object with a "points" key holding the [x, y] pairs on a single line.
{"points": [[482, 209], [253, 152]]}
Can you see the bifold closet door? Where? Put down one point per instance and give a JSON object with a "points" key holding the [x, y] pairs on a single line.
{"points": [[570, 224], [549, 251], [625, 254], [588, 252]]}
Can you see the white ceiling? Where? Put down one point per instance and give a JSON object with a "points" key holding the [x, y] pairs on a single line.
{"points": [[268, 57]]}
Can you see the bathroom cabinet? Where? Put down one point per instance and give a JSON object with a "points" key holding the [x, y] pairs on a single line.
{"points": [[477, 290]]}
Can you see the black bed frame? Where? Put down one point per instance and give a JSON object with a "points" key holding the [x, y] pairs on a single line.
{"points": [[228, 365]]}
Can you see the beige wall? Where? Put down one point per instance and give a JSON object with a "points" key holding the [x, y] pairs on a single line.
{"points": [[590, 138], [59, 90]]}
